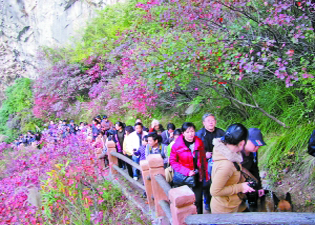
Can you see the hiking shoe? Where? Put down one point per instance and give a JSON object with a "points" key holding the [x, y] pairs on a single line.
{"points": [[135, 178]]}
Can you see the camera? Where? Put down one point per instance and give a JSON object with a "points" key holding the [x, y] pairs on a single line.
{"points": [[252, 183], [252, 197]]}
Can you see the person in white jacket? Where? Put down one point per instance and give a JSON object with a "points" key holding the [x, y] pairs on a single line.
{"points": [[134, 141]]}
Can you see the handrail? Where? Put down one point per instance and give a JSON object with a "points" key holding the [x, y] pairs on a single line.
{"points": [[252, 218], [166, 187], [166, 208], [160, 179], [126, 159], [128, 177]]}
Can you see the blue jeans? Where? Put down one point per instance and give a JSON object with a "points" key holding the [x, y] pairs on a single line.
{"points": [[134, 170]]}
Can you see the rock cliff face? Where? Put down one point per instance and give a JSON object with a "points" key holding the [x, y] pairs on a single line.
{"points": [[27, 25]]}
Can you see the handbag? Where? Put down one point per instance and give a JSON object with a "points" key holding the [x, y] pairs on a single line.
{"points": [[180, 179], [169, 174]]}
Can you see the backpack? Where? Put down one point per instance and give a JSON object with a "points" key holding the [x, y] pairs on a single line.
{"points": [[311, 144], [160, 151]]}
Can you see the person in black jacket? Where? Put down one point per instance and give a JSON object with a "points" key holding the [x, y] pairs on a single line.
{"points": [[168, 134], [250, 156], [207, 134]]}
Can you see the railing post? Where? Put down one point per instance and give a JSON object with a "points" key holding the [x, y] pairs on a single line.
{"points": [[182, 204], [111, 147], [147, 181], [157, 167], [101, 162]]}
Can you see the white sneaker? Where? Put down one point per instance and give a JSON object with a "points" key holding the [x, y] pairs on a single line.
{"points": [[135, 178]]}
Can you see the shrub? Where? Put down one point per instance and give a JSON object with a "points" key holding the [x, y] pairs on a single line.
{"points": [[15, 111]]}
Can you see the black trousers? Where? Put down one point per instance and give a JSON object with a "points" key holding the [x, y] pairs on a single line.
{"points": [[206, 193], [198, 195], [121, 163], [129, 167]]}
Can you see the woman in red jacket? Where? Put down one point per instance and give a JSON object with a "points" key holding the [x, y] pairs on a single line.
{"points": [[185, 148]]}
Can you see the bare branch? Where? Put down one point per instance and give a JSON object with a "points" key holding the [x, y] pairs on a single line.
{"points": [[250, 105]]}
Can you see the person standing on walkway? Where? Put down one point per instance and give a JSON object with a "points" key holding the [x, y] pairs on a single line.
{"points": [[168, 134], [141, 151], [154, 126], [138, 120], [227, 181], [207, 134], [188, 158], [106, 124], [134, 141], [250, 161], [126, 147], [177, 133], [119, 136], [95, 130], [155, 146]]}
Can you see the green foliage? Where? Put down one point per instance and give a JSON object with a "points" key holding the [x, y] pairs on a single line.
{"points": [[15, 111], [286, 147], [19, 97], [189, 61]]}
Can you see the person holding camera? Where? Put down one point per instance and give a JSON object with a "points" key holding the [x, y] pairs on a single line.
{"points": [[227, 180], [250, 160]]}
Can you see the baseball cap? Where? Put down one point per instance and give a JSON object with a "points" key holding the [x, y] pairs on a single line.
{"points": [[104, 117], [256, 137]]}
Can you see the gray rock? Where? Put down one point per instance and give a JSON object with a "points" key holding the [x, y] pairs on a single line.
{"points": [[28, 25]]}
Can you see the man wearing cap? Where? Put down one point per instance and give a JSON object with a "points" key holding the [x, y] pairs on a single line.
{"points": [[250, 156]]}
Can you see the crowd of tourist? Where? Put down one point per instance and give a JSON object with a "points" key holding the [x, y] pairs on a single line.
{"points": [[27, 139], [206, 160], [210, 161]]}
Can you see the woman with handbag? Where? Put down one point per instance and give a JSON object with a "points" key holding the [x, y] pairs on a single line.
{"points": [[227, 181], [188, 159]]}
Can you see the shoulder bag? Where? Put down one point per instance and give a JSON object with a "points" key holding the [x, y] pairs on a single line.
{"points": [[180, 179]]}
